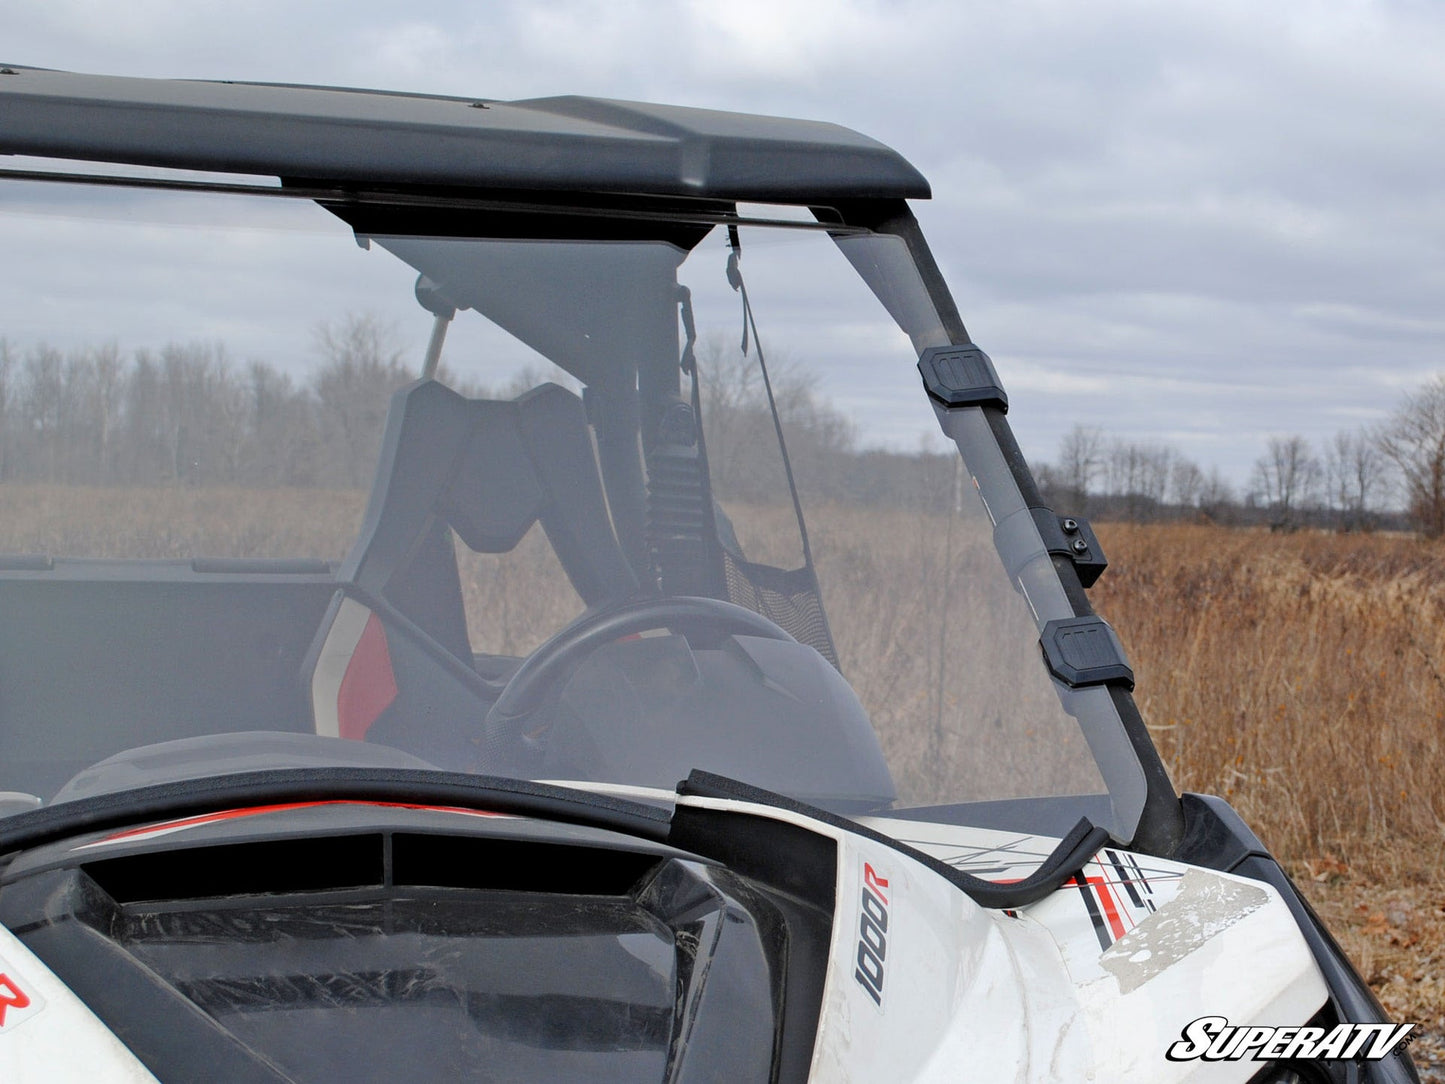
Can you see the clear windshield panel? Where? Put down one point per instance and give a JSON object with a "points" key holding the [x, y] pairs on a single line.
{"points": [[635, 528]]}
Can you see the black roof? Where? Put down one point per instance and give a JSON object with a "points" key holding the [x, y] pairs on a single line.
{"points": [[342, 136]]}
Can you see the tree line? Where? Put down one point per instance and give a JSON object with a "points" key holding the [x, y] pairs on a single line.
{"points": [[1390, 475], [190, 414], [1387, 475]]}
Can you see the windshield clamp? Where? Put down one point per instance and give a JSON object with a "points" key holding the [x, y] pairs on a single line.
{"points": [[1072, 537], [1085, 651], [961, 376]]}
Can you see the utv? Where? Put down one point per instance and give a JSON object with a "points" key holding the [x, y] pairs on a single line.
{"points": [[594, 801]]}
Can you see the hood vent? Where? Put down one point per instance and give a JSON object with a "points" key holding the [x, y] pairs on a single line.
{"points": [[370, 860], [386, 955]]}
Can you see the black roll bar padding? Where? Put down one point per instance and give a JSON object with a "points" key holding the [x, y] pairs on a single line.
{"points": [[426, 423], [615, 418], [553, 425]]}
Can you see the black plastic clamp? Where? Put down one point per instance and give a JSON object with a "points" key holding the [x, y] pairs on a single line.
{"points": [[1085, 651], [961, 376], [1072, 537]]}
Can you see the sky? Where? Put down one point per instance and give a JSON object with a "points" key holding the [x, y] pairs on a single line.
{"points": [[1203, 223]]}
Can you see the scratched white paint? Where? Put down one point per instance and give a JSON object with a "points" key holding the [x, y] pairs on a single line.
{"points": [[1204, 907]]}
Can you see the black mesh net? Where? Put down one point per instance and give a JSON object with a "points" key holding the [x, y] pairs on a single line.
{"points": [[790, 599]]}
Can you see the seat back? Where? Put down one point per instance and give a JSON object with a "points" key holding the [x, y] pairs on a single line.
{"points": [[488, 470]]}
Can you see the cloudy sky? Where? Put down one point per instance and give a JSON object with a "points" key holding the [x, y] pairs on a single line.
{"points": [[1196, 222]]}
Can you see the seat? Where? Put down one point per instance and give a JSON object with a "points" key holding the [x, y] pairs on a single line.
{"points": [[488, 470]]}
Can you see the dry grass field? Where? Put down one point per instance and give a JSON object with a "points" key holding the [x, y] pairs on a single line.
{"points": [[1300, 675]]}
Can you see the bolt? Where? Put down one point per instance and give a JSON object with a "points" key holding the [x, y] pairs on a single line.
{"points": [[1080, 546], [1069, 525]]}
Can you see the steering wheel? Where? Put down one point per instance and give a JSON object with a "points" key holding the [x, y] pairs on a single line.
{"points": [[527, 689]]}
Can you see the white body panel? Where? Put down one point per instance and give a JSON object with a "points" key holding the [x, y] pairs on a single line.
{"points": [[53, 1038], [1084, 985]]}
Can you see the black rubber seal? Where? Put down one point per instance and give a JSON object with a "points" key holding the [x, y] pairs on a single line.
{"points": [[1068, 858]]}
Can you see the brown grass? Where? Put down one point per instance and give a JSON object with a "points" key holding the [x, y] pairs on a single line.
{"points": [[161, 522], [1299, 676], [1302, 676]]}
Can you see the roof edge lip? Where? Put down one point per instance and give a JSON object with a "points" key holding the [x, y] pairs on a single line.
{"points": [[353, 135]]}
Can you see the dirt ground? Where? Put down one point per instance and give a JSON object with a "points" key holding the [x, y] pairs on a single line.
{"points": [[1395, 934]]}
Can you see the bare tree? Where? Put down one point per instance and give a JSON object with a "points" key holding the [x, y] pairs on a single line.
{"points": [[281, 430], [1138, 474], [7, 420], [1354, 476], [1186, 481], [1287, 478], [1216, 495], [1156, 462], [42, 392], [1121, 468], [1081, 462], [204, 410], [1413, 439], [742, 447], [362, 366], [109, 389]]}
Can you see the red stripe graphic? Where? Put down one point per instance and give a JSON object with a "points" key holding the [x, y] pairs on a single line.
{"points": [[1111, 910]]}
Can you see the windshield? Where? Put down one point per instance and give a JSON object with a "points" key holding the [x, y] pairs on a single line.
{"points": [[588, 498]]}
